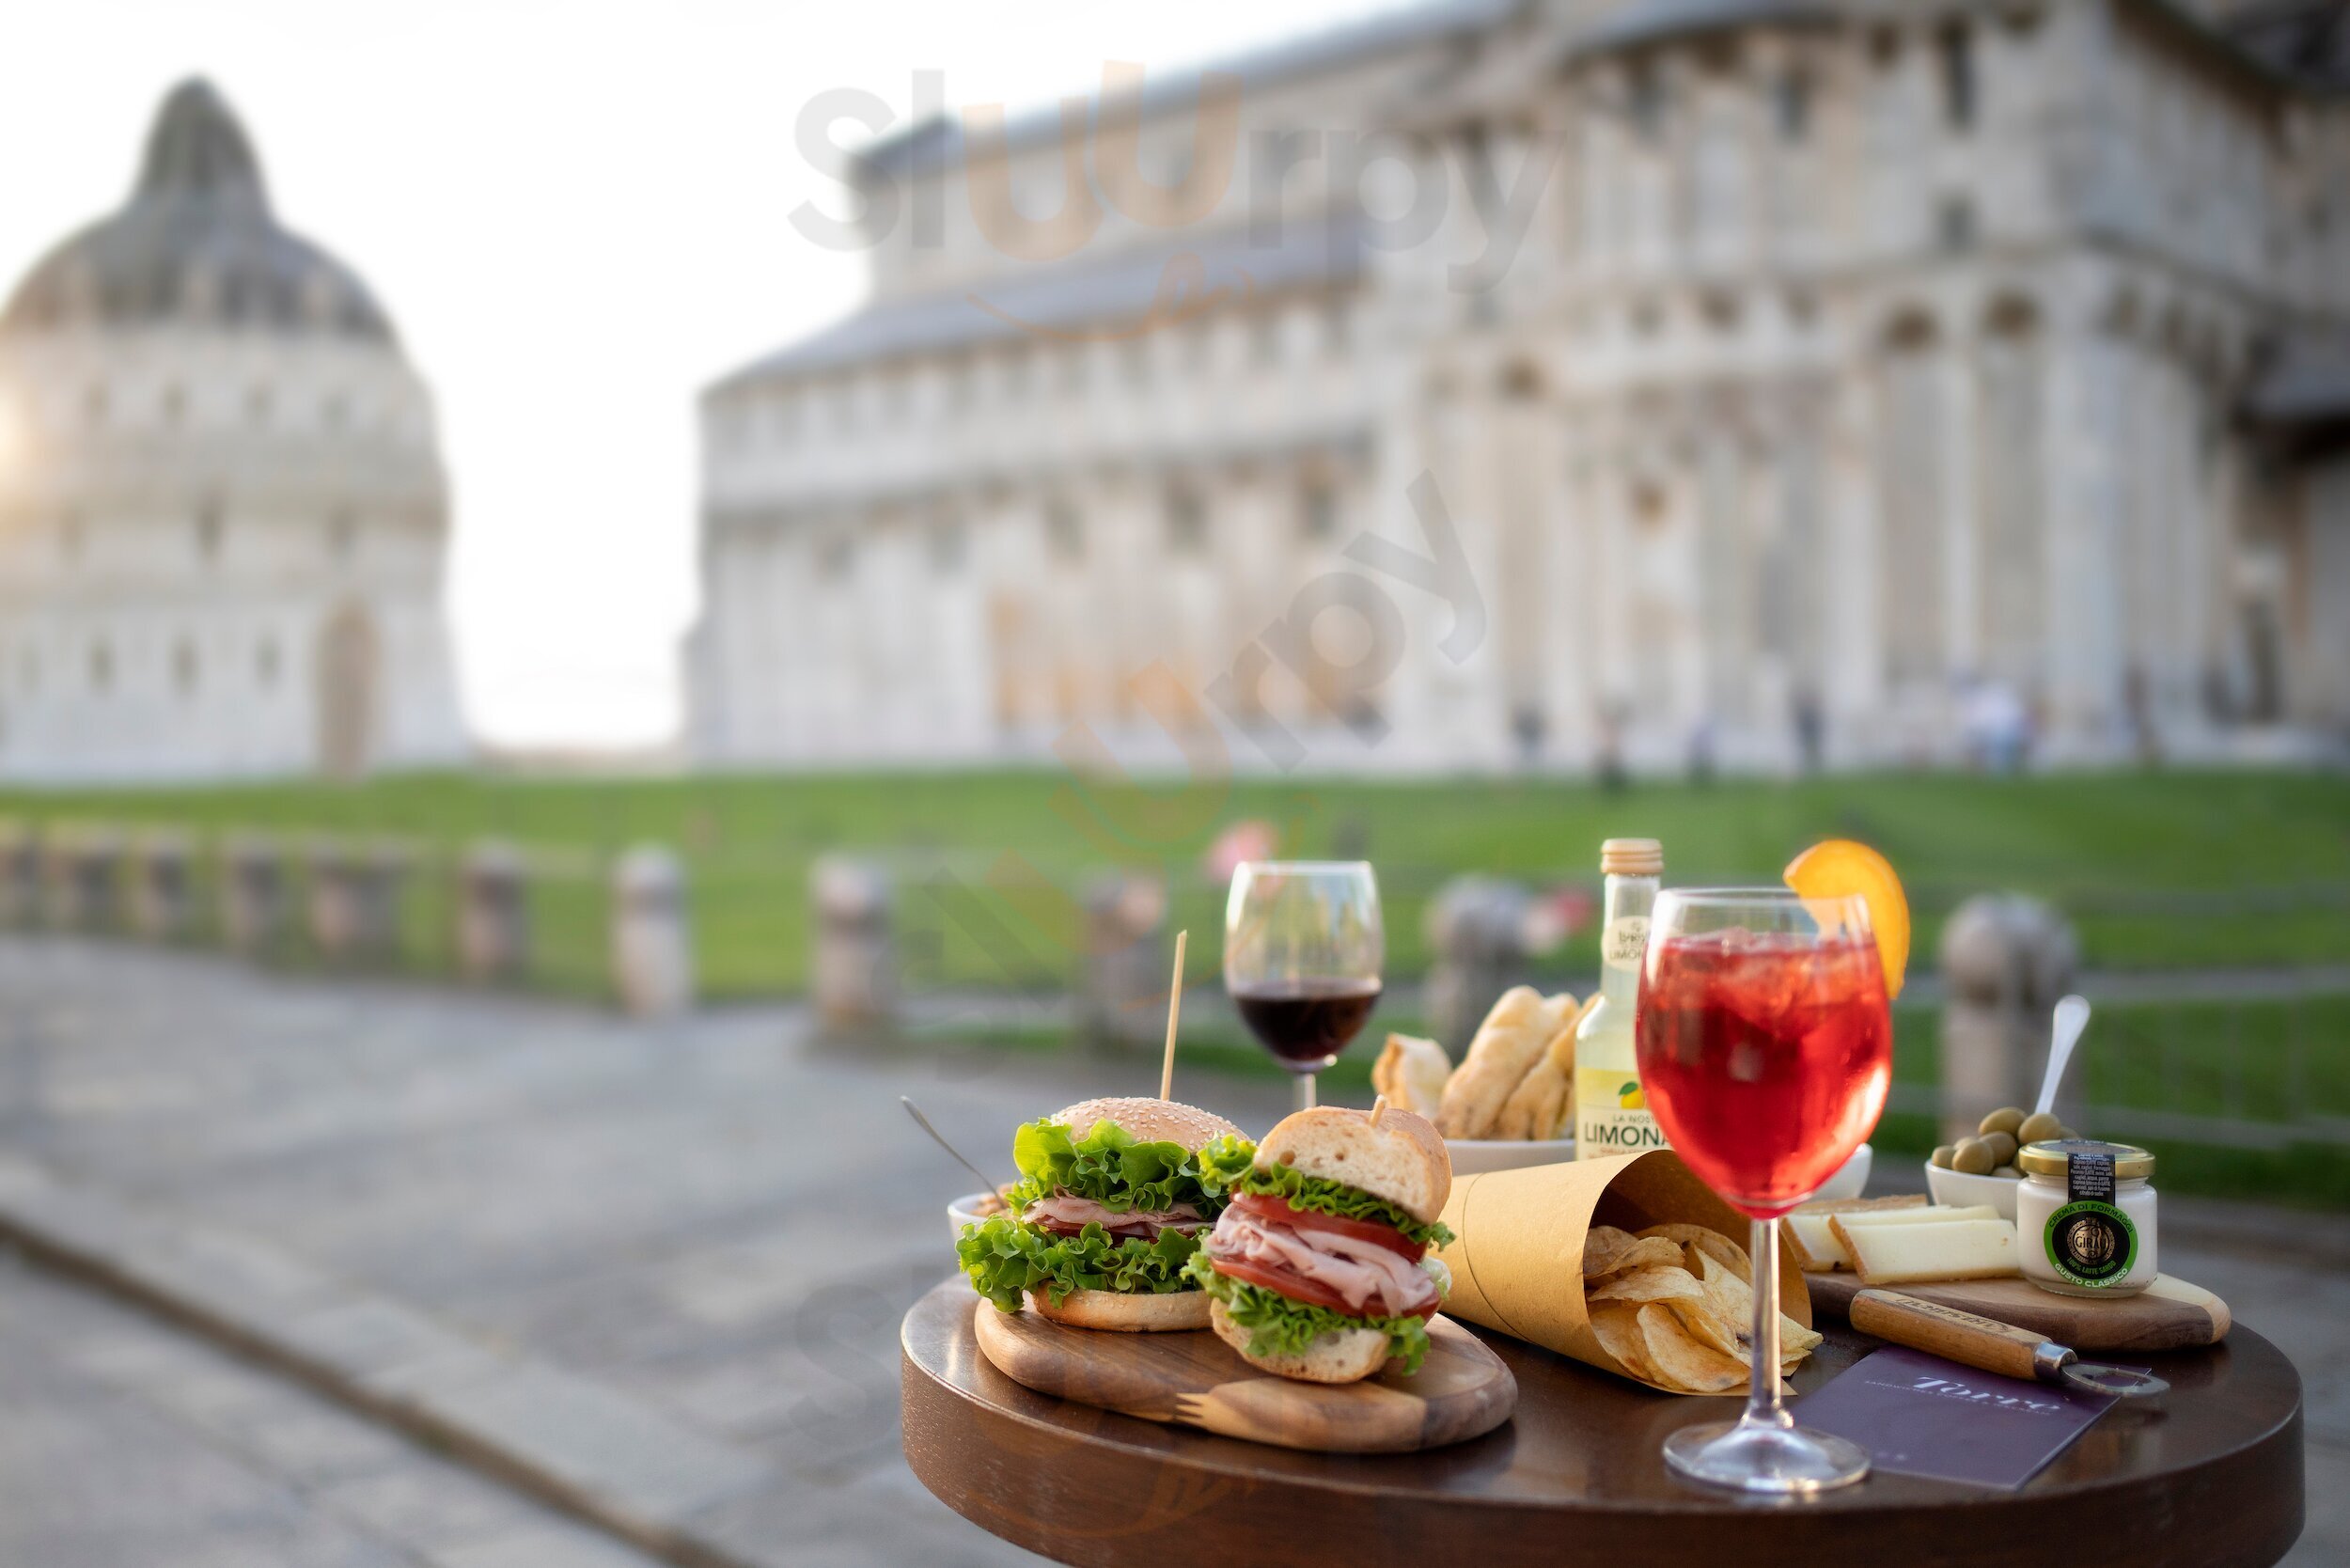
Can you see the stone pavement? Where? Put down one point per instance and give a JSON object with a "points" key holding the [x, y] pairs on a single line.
{"points": [[651, 1274], [127, 1445]]}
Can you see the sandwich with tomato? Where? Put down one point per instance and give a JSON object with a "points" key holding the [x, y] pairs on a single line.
{"points": [[1318, 1267], [1111, 1206]]}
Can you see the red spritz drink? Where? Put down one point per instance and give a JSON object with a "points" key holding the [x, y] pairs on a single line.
{"points": [[1765, 1045], [1766, 1056]]}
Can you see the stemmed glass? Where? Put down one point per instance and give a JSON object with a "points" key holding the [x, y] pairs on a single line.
{"points": [[1766, 1048], [1302, 950]]}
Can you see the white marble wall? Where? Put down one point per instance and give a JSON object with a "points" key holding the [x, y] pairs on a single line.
{"points": [[1860, 362]]}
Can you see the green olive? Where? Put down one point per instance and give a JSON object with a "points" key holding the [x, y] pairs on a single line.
{"points": [[2002, 1147], [1942, 1155], [2005, 1119], [1973, 1157], [2009, 1173], [2066, 1131], [2039, 1127]]}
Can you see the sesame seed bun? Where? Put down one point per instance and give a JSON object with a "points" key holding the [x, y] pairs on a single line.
{"points": [[1149, 1120]]}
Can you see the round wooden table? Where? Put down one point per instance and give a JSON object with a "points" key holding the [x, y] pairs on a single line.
{"points": [[2210, 1477]]}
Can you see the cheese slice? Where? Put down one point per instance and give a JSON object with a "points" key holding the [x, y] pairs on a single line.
{"points": [[1814, 1244], [1843, 1226], [1914, 1254], [1808, 1239], [1931, 1214]]}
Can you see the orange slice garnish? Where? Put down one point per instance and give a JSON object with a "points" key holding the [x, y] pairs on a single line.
{"points": [[1839, 868]]}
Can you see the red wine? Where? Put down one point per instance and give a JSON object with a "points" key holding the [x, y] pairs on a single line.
{"points": [[1305, 1024]]}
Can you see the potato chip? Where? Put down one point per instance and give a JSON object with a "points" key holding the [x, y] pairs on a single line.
{"points": [[1712, 1244], [1681, 1361], [1617, 1326], [1654, 1252], [1649, 1284], [1722, 1317], [1601, 1246]]}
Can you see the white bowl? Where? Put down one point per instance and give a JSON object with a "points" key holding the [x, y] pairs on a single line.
{"points": [[1852, 1177], [1958, 1189], [1471, 1156], [965, 1211]]}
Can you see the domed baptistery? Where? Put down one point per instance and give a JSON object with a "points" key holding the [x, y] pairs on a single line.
{"points": [[223, 513]]}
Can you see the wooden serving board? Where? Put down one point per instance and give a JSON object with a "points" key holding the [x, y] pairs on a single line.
{"points": [[2169, 1314], [1460, 1391]]}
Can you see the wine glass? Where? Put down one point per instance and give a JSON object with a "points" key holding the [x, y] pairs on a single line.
{"points": [[1303, 949], [1766, 1048]]}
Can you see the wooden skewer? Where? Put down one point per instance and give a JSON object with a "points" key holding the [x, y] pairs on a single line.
{"points": [[1378, 1109], [1174, 1010]]}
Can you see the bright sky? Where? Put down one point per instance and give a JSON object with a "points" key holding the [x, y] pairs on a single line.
{"points": [[578, 215]]}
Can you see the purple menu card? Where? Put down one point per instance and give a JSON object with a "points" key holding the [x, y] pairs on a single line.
{"points": [[1919, 1414]]}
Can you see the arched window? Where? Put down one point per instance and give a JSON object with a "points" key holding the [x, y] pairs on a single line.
{"points": [[1795, 105], [1954, 47], [1186, 522], [949, 544], [1318, 512], [1064, 532], [836, 557]]}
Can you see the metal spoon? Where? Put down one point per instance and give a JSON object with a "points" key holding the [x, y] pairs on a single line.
{"points": [[2072, 1017], [940, 1138]]}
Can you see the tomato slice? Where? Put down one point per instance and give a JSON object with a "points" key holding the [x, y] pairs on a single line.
{"points": [[1264, 1206], [1281, 1281]]}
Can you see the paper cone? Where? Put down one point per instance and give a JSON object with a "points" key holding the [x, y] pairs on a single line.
{"points": [[1517, 1259]]}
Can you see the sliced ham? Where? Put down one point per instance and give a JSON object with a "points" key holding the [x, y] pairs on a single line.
{"points": [[1372, 1279], [1066, 1213]]}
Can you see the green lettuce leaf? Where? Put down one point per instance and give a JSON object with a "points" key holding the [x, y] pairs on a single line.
{"points": [[1109, 1166], [1279, 1326], [1004, 1258], [1229, 1165]]}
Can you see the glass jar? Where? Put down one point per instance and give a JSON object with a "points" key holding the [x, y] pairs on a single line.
{"points": [[2085, 1216]]}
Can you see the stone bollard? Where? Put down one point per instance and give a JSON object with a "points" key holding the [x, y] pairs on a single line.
{"points": [[255, 894], [85, 877], [2005, 961], [493, 913], [854, 972], [163, 886], [1121, 984], [20, 875], [355, 900], [1477, 934], [652, 948]]}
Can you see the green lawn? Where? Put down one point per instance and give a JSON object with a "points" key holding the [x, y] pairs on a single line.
{"points": [[2159, 870]]}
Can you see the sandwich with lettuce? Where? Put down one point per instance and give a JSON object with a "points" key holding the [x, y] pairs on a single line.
{"points": [[1111, 1206], [1318, 1267]]}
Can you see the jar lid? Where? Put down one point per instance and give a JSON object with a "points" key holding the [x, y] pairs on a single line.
{"points": [[2054, 1156]]}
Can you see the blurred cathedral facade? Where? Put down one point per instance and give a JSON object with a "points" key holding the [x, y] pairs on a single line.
{"points": [[222, 513], [1789, 375]]}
